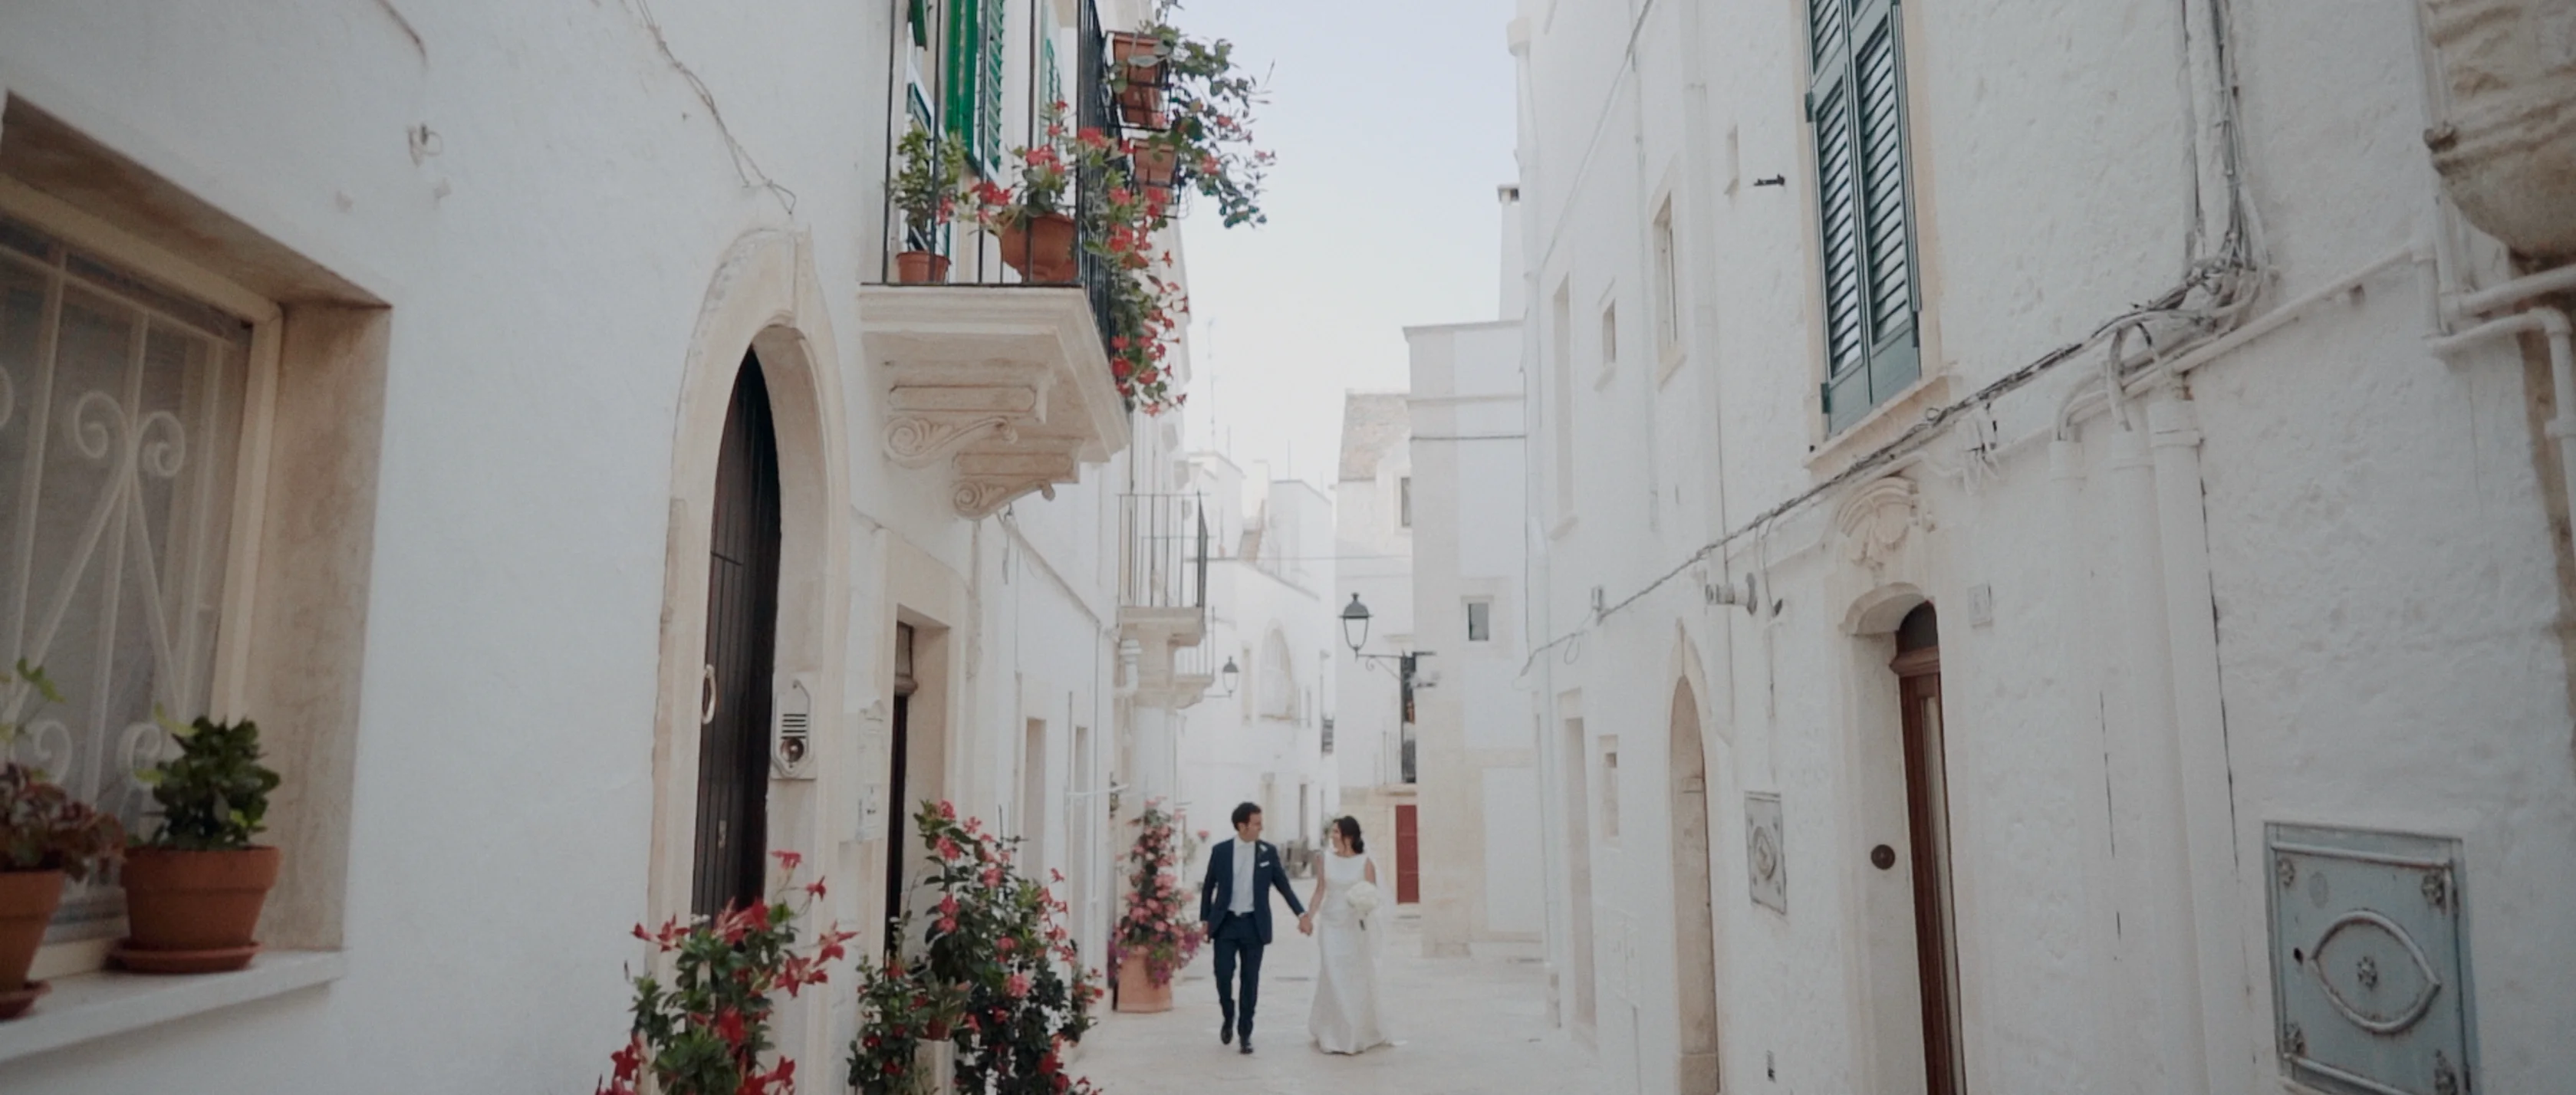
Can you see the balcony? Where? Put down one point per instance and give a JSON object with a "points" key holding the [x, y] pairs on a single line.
{"points": [[994, 364], [1162, 595]]}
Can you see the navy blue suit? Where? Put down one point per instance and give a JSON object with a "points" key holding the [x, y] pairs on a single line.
{"points": [[1241, 937]]}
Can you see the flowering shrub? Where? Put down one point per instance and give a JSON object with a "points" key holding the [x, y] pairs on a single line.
{"points": [[1157, 923], [996, 975], [1045, 174], [705, 1033]]}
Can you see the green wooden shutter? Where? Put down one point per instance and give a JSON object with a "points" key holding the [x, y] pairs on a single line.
{"points": [[1856, 109], [972, 103]]}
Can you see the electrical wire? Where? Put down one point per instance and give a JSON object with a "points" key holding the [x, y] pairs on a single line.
{"points": [[744, 165]]}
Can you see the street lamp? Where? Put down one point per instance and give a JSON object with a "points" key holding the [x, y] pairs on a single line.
{"points": [[1355, 621], [1228, 674]]}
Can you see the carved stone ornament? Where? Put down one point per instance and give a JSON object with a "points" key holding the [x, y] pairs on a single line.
{"points": [[1010, 388], [1875, 520]]}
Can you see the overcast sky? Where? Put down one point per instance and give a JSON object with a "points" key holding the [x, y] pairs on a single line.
{"points": [[1392, 120]]}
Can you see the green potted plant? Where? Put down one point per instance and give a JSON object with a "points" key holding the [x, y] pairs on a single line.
{"points": [[193, 894], [926, 188], [46, 836], [1037, 232]]}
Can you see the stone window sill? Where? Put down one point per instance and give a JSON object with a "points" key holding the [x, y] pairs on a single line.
{"points": [[92, 1006], [1881, 425]]}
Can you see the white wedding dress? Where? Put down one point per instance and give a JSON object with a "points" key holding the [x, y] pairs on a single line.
{"points": [[1344, 1019]]}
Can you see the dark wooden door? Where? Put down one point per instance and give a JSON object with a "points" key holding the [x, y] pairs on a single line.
{"points": [[898, 808], [1927, 806], [1408, 856], [742, 633]]}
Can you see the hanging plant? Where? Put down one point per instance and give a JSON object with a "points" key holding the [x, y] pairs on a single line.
{"points": [[1203, 120]]}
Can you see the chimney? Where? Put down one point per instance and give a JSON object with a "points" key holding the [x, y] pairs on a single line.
{"points": [[1509, 196]]}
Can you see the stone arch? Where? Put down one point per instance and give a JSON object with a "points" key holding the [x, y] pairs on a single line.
{"points": [[1694, 899], [1878, 611], [763, 303]]}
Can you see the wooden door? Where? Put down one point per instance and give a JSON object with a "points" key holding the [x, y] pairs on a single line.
{"points": [[742, 632], [898, 807], [1408, 856], [1927, 806]]}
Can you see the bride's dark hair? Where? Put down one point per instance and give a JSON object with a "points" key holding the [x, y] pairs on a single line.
{"points": [[1350, 827]]}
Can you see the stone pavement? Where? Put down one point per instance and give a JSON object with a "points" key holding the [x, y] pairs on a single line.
{"points": [[1463, 1026]]}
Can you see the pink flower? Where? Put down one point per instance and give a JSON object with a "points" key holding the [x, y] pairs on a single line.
{"points": [[1018, 985]]}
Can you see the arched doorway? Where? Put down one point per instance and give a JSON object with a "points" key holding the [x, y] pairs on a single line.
{"points": [[741, 648], [1694, 914], [1927, 810]]}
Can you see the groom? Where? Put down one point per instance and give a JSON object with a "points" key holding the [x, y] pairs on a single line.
{"points": [[1234, 901]]}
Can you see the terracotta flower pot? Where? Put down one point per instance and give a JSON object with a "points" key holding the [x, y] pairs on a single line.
{"points": [[194, 912], [1141, 107], [1137, 991], [920, 268], [1040, 247], [27, 902], [1156, 165]]}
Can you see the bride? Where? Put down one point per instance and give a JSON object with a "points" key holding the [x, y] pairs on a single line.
{"points": [[1344, 1019]]}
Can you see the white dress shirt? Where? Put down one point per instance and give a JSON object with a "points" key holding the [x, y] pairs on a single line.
{"points": [[1244, 851]]}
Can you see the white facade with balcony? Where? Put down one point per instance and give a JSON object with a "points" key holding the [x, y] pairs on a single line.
{"points": [[1262, 734], [453, 300]]}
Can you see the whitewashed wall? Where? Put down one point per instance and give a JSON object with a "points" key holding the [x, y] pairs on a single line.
{"points": [[1479, 797], [546, 251], [2387, 579]]}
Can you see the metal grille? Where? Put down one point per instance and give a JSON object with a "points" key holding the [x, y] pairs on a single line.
{"points": [[970, 47], [121, 410]]}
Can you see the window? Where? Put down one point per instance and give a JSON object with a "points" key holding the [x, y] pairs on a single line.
{"points": [[1856, 109], [1404, 502], [1609, 338], [1561, 372], [1480, 621], [1328, 735], [1668, 333], [1279, 688], [121, 412], [1609, 787]]}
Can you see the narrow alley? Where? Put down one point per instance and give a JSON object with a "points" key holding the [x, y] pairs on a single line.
{"points": [[1460, 1025]]}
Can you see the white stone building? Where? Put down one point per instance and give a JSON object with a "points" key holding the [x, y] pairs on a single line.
{"points": [[503, 406], [1477, 726], [1259, 736], [1373, 563], [2046, 578]]}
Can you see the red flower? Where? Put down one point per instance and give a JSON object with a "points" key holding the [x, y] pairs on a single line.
{"points": [[788, 859]]}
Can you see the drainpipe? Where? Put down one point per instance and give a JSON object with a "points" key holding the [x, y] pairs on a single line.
{"points": [[2079, 630], [2200, 736], [2155, 883], [2562, 360]]}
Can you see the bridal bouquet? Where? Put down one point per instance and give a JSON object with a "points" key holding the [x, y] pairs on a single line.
{"points": [[1362, 896]]}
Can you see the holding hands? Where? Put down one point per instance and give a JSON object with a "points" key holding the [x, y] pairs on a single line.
{"points": [[1306, 923]]}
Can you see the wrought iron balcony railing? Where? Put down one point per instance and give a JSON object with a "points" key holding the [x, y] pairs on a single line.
{"points": [[951, 64], [1163, 551]]}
